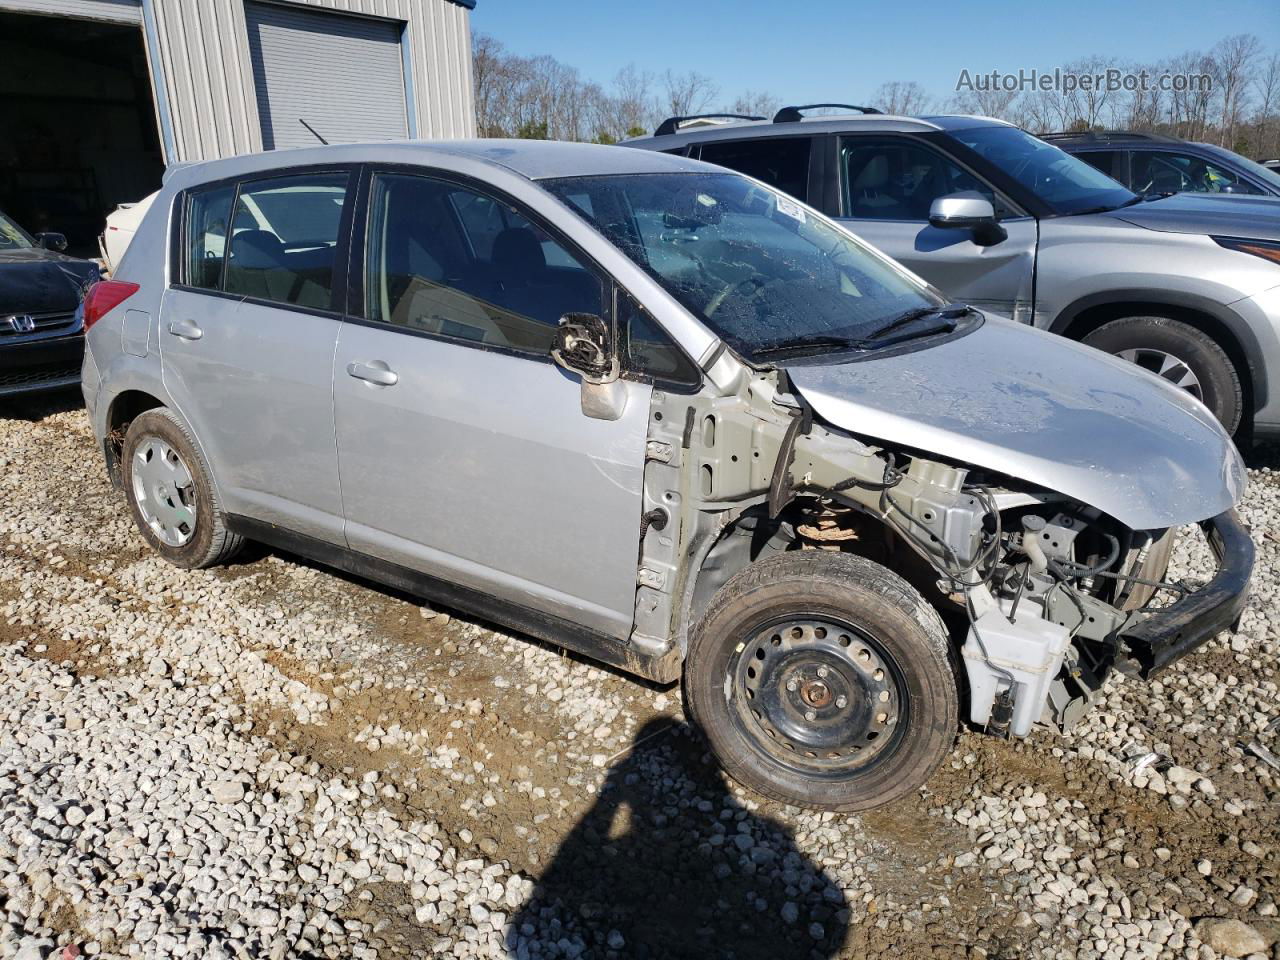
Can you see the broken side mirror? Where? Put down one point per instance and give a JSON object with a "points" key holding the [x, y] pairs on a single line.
{"points": [[971, 211], [584, 347], [56, 242]]}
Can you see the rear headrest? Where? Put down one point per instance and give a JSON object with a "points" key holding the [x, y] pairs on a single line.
{"points": [[517, 251], [257, 249]]}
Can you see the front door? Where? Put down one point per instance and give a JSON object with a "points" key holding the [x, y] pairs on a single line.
{"points": [[888, 185], [463, 451], [247, 339]]}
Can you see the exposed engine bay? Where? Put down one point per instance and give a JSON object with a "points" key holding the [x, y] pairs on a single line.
{"points": [[1045, 590]]}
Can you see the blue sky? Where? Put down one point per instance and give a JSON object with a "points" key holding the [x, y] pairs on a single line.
{"points": [[843, 50]]}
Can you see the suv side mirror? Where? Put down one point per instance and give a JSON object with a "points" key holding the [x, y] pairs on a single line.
{"points": [[584, 346], [968, 211], [52, 241]]}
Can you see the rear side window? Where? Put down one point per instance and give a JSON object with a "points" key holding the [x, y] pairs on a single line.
{"points": [[781, 162], [285, 237], [208, 213], [1104, 160]]}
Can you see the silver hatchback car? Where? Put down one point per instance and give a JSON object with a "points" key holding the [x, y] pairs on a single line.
{"points": [[662, 414]]}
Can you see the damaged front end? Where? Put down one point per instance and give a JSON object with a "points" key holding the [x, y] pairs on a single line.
{"points": [[1051, 594]]}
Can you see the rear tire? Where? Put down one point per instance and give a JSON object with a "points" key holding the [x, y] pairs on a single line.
{"points": [[823, 680], [1183, 355], [171, 493]]}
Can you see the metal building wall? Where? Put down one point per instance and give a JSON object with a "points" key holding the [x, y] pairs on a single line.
{"points": [[201, 50]]}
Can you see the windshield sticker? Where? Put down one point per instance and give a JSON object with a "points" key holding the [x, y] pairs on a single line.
{"points": [[789, 208]]}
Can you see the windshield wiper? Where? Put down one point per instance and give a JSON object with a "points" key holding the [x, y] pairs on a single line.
{"points": [[816, 343], [951, 313]]}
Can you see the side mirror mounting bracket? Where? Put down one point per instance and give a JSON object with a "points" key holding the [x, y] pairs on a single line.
{"points": [[584, 347]]}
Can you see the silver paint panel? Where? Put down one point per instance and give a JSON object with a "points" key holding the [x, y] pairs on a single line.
{"points": [[256, 388], [1047, 411], [479, 467]]}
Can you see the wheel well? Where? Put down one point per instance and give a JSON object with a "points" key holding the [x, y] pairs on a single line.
{"points": [[753, 537], [124, 409], [1091, 318]]}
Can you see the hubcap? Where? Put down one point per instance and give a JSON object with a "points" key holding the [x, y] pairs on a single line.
{"points": [[819, 696], [164, 491], [1165, 365]]}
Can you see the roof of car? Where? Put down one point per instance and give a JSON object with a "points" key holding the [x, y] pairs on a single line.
{"points": [[531, 159], [839, 123]]}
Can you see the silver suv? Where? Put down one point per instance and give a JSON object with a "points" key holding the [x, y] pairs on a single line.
{"points": [[664, 415], [1186, 286]]}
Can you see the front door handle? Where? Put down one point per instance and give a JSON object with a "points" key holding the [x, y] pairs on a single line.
{"points": [[374, 371], [185, 329]]}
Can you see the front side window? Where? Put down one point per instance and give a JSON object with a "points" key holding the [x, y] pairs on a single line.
{"points": [[781, 162], [770, 276], [457, 263], [897, 179], [12, 236], [208, 212], [1163, 171], [1065, 183], [285, 238], [650, 351]]}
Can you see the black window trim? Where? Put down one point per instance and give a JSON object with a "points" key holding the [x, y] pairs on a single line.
{"points": [[1018, 211], [178, 259], [357, 267]]}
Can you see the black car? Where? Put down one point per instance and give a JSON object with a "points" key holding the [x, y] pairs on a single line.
{"points": [[41, 330], [1148, 163]]}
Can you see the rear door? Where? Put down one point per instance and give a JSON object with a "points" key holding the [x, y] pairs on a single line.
{"points": [[464, 451], [887, 185], [247, 335]]}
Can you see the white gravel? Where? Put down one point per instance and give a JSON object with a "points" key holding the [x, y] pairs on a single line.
{"points": [[273, 761]]}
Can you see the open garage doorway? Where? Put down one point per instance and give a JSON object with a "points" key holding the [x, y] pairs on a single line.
{"points": [[77, 124]]}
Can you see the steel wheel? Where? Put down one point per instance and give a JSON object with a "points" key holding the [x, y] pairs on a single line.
{"points": [[164, 491], [818, 696], [1166, 365]]}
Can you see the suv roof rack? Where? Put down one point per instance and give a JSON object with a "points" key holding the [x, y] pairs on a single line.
{"points": [[795, 114], [671, 124], [1102, 135]]}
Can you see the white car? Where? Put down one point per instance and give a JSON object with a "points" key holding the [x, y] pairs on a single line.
{"points": [[122, 223]]}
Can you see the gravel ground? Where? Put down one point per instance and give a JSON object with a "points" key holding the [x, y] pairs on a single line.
{"points": [[272, 760]]}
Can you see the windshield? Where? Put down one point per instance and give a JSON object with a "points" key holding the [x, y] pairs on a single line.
{"points": [[12, 236], [760, 269], [1065, 183], [1269, 177]]}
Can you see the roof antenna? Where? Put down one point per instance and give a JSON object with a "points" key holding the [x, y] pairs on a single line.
{"points": [[313, 131]]}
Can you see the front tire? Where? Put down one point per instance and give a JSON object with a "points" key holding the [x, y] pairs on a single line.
{"points": [[823, 680], [171, 493], [1188, 358]]}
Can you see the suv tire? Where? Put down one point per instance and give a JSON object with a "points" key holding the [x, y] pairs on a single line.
{"points": [[1153, 342], [824, 680], [172, 495]]}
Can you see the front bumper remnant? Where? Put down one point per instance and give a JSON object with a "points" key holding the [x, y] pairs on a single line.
{"points": [[1170, 633]]}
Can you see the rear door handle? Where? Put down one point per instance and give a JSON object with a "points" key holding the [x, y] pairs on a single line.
{"points": [[374, 371], [185, 329]]}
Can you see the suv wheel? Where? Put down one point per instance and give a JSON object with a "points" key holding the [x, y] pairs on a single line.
{"points": [[824, 680], [170, 491], [1181, 354]]}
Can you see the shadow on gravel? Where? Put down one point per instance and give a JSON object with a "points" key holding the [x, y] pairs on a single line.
{"points": [[37, 406], [1261, 455], [668, 864]]}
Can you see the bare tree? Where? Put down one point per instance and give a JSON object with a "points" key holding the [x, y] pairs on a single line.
{"points": [[1001, 104], [902, 98], [687, 93], [755, 104], [1266, 122], [1233, 58]]}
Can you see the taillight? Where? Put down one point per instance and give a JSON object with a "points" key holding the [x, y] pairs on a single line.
{"points": [[104, 296]]}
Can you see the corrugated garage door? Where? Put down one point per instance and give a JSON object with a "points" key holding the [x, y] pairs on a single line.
{"points": [[343, 75]]}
